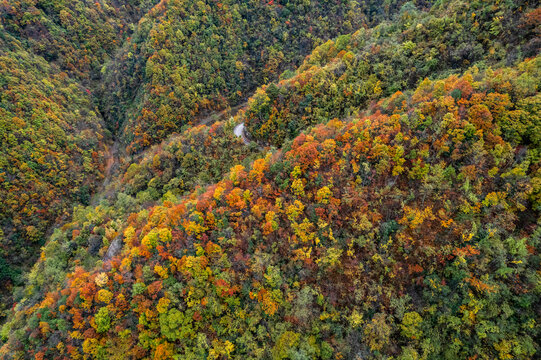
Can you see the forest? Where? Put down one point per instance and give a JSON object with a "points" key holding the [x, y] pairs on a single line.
{"points": [[383, 201]]}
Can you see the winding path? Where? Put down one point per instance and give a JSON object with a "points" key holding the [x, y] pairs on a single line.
{"points": [[114, 151]]}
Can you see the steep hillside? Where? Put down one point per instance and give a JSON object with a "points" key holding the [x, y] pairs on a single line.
{"points": [[54, 142], [76, 35], [51, 153], [409, 231], [342, 77]]}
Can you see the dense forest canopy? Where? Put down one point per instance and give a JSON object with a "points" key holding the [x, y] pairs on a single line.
{"points": [[76, 35], [51, 153], [342, 76], [382, 202]]}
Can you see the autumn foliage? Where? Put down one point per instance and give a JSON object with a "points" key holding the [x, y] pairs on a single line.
{"points": [[377, 229], [383, 203], [51, 153]]}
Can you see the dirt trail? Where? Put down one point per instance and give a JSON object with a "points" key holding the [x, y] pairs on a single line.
{"points": [[111, 159], [111, 165], [218, 116]]}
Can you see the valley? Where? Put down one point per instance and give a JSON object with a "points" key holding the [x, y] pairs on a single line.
{"points": [[270, 179]]}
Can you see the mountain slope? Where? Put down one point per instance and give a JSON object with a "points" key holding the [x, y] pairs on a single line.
{"points": [[51, 154], [342, 77], [54, 142]]}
